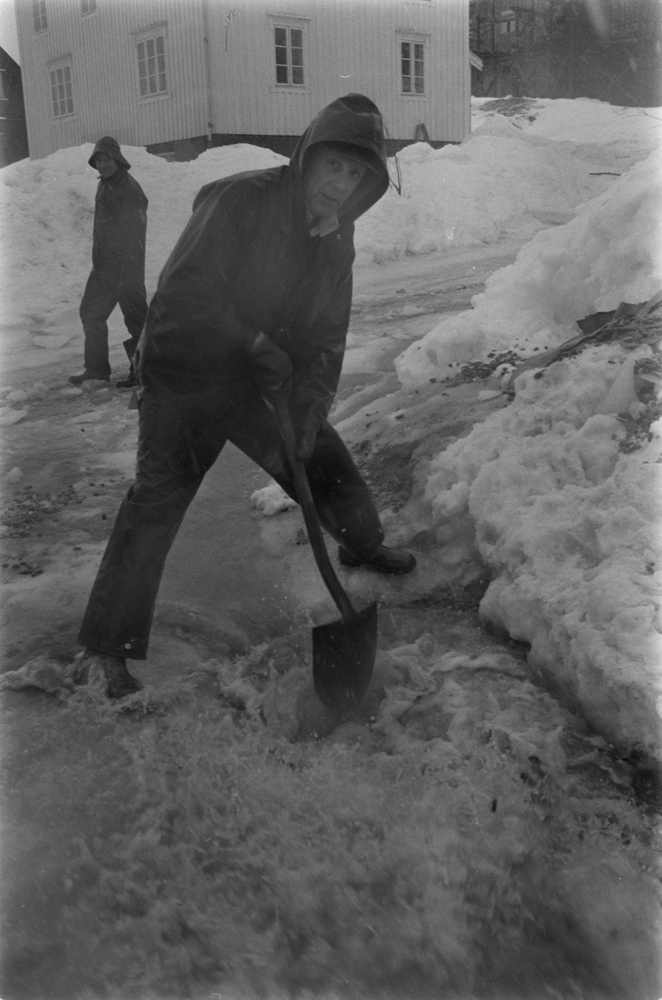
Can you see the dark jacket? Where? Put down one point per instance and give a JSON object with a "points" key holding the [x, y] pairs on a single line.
{"points": [[246, 263], [120, 217]]}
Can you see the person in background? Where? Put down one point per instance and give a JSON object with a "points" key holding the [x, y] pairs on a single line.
{"points": [[253, 303], [118, 263]]}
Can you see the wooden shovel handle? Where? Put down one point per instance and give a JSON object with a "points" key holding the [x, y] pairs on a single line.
{"points": [[310, 517]]}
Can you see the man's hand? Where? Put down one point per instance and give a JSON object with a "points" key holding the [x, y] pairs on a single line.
{"points": [[272, 364]]}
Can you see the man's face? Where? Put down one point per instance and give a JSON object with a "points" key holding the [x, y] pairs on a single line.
{"points": [[330, 179], [105, 165]]}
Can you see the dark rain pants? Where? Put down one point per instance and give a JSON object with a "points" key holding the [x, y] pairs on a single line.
{"points": [[179, 440], [105, 288]]}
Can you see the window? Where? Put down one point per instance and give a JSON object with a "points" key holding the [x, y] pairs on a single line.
{"points": [[289, 56], [61, 92], [151, 65], [508, 23], [39, 15], [412, 67], [88, 6]]}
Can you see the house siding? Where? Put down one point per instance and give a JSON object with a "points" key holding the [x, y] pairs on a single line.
{"points": [[104, 70], [352, 46], [221, 68]]}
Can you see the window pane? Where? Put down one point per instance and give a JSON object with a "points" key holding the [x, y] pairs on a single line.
{"points": [[289, 56], [61, 91], [152, 77], [406, 85]]}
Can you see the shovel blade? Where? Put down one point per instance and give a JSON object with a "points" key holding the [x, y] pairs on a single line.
{"points": [[343, 659]]}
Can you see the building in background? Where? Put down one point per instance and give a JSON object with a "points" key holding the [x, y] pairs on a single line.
{"points": [[178, 76], [13, 128], [610, 50]]}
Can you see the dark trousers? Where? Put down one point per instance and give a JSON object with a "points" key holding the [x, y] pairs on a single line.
{"points": [[179, 440], [106, 288]]}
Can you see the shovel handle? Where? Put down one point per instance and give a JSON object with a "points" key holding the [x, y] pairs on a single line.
{"points": [[307, 505]]}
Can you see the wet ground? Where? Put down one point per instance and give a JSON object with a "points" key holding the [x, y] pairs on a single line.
{"points": [[220, 833]]}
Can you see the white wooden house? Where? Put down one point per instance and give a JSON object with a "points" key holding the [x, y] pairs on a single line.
{"points": [[177, 76]]}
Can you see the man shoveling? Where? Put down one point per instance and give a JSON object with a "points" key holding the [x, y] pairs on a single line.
{"points": [[253, 303]]}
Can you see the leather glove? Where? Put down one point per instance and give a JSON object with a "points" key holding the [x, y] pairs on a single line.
{"points": [[273, 366]]}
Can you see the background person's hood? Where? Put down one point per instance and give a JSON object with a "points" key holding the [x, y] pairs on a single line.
{"points": [[354, 120], [110, 147]]}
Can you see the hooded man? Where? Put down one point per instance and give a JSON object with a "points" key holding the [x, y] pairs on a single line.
{"points": [[254, 301], [118, 262]]}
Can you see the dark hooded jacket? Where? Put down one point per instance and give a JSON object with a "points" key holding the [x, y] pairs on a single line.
{"points": [[120, 217], [246, 263]]}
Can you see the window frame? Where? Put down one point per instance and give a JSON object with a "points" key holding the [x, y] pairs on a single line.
{"points": [[152, 34], [412, 38], [64, 64], [288, 24], [508, 22], [39, 16]]}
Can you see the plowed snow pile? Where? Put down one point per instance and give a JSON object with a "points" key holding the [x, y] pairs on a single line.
{"points": [[566, 505]]}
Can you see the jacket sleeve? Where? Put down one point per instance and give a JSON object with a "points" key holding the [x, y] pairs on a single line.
{"points": [[315, 385], [195, 286], [133, 222]]}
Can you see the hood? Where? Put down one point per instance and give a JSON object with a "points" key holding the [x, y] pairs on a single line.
{"points": [[110, 147], [356, 121]]}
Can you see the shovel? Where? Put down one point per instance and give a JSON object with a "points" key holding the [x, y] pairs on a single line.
{"points": [[343, 651]]}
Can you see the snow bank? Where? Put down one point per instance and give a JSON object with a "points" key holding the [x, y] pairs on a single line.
{"points": [[565, 517], [568, 525], [499, 183], [47, 208], [611, 252], [624, 134]]}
